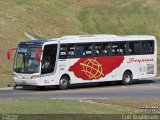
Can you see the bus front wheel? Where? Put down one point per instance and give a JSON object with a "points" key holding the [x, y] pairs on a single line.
{"points": [[64, 83], [127, 78]]}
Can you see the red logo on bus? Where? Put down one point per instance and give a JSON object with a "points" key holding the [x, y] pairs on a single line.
{"points": [[131, 60], [95, 68]]}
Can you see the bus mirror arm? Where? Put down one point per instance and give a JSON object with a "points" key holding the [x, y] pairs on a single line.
{"points": [[37, 54], [9, 53]]}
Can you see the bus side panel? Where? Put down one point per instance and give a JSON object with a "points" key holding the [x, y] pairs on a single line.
{"points": [[94, 69], [64, 66], [141, 66]]}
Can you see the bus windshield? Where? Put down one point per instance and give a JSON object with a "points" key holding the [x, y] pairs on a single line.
{"points": [[25, 61]]}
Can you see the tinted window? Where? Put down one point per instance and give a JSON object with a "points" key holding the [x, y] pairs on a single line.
{"points": [[80, 50], [63, 52], [71, 51], [134, 48], [123, 48], [102, 49], [144, 49], [98, 49], [147, 47], [118, 48], [67, 51], [84, 50], [88, 50], [151, 47]]}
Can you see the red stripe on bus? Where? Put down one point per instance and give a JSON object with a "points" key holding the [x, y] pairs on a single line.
{"points": [[95, 68]]}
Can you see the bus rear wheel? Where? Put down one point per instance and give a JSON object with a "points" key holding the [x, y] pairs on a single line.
{"points": [[64, 83], [127, 78]]}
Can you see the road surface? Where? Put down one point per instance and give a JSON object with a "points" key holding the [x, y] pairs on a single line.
{"points": [[140, 89]]}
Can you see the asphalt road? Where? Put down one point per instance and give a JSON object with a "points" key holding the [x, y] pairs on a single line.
{"points": [[140, 89]]}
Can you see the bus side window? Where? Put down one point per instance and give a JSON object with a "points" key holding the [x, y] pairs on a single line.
{"points": [[134, 48], [151, 47], [122, 48], [63, 52], [71, 51], [131, 48], [105, 52], [115, 49], [80, 50], [88, 50], [119, 51], [144, 47], [137, 48], [98, 49], [106, 47], [130, 51]]}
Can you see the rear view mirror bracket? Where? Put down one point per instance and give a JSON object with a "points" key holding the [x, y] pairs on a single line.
{"points": [[38, 55], [9, 53]]}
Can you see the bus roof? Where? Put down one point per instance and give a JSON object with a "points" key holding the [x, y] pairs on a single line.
{"points": [[34, 42], [90, 38], [109, 36], [103, 38]]}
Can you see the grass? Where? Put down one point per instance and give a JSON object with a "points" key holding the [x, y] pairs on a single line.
{"points": [[55, 18], [54, 106], [134, 103], [94, 109], [85, 106]]}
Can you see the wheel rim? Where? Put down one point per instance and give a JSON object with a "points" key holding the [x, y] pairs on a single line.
{"points": [[127, 78], [63, 82]]}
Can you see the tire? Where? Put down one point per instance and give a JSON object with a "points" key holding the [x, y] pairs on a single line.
{"points": [[15, 87], [64, 83], [127, 78]]}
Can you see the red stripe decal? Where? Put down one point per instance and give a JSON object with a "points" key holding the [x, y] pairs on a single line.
{"points": [[95, 68]]}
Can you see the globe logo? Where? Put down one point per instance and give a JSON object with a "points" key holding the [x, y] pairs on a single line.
{"points": [[92, 69]]}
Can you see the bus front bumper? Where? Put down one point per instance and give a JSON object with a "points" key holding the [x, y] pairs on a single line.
{"points": [[33, 82]]}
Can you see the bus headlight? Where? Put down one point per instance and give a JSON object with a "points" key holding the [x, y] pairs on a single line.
{"points": [[35, 76]]}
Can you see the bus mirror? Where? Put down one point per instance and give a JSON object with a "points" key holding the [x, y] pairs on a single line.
{"points": [[9, 53], [37, 54]]}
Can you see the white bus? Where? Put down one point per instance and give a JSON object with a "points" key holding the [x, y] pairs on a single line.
{"points": [[83, 59]]}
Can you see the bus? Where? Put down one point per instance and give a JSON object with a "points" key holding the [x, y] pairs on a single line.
{"points": [[84, 59]]}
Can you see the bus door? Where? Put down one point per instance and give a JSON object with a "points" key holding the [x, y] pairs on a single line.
{"points": [[49, 59]]}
